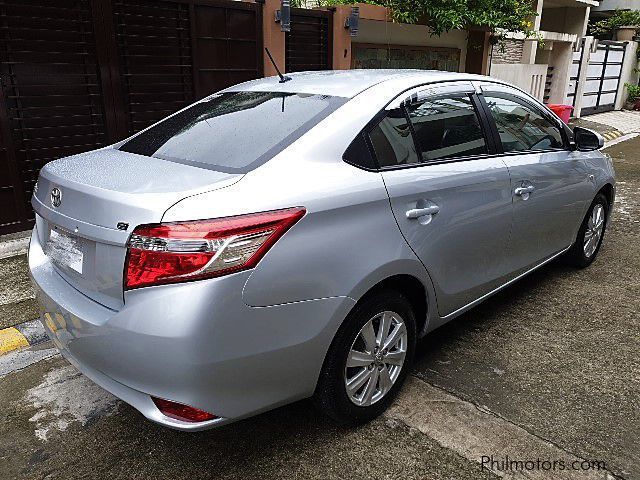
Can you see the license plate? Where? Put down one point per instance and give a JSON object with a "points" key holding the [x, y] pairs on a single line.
{"points": [[64, 249]]}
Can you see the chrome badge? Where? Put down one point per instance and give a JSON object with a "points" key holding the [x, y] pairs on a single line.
{"points": [[56, 197]]}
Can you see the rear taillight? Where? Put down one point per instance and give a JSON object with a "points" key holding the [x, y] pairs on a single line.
{"points": [[182, 412], [178, 252]]}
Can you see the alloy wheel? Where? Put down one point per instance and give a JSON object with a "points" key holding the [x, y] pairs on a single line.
{"points": [[593, 233], [376, 358]]}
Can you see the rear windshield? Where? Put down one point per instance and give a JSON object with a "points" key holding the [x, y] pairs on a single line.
{"points": [[233, 132]]}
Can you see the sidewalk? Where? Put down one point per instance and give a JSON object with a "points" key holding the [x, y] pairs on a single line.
{"points": [[611, 125], [626, 121]]}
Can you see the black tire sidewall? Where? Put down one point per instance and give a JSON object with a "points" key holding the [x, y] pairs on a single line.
{"points": [[331, 394]]}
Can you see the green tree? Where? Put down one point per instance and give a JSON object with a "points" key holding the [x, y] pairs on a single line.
{"points": [[498, 16]]}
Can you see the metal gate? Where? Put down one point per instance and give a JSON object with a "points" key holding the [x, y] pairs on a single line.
{"points": [[79, 74], [602, 77], [308, 46], [52, 95]]}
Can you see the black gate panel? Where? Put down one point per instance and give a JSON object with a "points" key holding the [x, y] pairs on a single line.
{"points": [[52, 95], [80, 74], [308, 46], [154, 58], [228, 45]]}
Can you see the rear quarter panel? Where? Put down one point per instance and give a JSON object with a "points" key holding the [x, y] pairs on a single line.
{"points": [[347, 242]]}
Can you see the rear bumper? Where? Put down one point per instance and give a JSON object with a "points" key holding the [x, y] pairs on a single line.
{"points": [[196, 343]]}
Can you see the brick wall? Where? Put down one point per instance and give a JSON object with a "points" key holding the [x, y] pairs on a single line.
{"points": [[509, 52]]}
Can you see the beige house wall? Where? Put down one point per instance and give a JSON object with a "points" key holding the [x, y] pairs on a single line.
{"points": [[389, 33]]}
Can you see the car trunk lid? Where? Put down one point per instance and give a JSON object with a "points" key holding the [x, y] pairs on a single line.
{"points": [[87, 205]]}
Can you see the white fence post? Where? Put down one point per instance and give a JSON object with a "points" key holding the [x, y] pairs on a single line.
{"points": [[582, 76], [627, 75]]}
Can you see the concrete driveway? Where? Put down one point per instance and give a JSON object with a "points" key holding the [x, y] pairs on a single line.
{"points": [[546, 371]]}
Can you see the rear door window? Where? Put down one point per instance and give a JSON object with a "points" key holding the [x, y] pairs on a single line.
{"points": [[233, 132], [392, 140], [447, 127]]}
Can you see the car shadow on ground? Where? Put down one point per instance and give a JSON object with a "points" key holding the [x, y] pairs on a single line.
{"points": [[430, 347]]}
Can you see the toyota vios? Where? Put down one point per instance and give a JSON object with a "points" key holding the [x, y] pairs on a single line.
{"points": [[283, 240]]}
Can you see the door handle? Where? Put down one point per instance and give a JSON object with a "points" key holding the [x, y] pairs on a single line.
{"points": [[422, 212], [520, 191]]}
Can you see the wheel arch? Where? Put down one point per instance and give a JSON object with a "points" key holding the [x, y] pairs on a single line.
{"points": [[408, 277], [609, 192], [413, 289]]}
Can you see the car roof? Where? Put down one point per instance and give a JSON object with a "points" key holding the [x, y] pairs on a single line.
{"points": [[345, 83]]}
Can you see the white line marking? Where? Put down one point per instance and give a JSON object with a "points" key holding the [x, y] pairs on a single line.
{"points": [[19, 359]]}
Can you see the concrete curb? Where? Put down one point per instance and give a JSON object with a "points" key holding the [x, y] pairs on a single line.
{"points": [[20, 336], [13, 247]]}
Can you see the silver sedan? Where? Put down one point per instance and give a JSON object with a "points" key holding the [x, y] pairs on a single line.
{"points": [[283, 240]]}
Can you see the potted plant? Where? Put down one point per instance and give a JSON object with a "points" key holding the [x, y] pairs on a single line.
{"points": [[633, 97], [623, 23]]}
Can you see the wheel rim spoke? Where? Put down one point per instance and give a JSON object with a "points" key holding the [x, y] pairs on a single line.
{"points": [[385, 382], [395, 357], [354, 384], [368, 336], [371, 387], [394, 336], [383, 329], [359, 359]]}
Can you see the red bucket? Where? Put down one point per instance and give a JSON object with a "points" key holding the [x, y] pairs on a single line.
{"points": [[563, 111]]}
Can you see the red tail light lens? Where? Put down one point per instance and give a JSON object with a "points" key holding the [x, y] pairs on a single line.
{"points": [[182, 412], [178, 252]]}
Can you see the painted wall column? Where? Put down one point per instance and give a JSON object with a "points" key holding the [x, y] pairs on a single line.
{"points": [[582, 77], [273, 38], [531, 46], [341, 39]]}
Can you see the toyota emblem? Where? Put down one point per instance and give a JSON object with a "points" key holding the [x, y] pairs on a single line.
{"points": [[56, 197]]}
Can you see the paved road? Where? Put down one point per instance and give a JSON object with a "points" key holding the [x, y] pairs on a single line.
{"points": [[547, 369]]}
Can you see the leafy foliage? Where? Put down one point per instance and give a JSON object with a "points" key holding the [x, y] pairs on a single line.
{"points": [[633, 91], [444, 15], [621, 18]]}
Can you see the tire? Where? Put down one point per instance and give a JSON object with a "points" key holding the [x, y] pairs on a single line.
{"points": [[331, 395], [581, 255]]}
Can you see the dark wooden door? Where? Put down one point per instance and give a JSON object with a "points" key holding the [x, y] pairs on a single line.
{"points": [[308, 46], [80, 74]]}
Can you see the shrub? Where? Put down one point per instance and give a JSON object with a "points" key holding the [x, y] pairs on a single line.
{"points": [[633, 91], [622, 18]]}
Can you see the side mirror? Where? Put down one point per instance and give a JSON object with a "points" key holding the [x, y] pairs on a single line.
{"points": [[587, 140]]}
